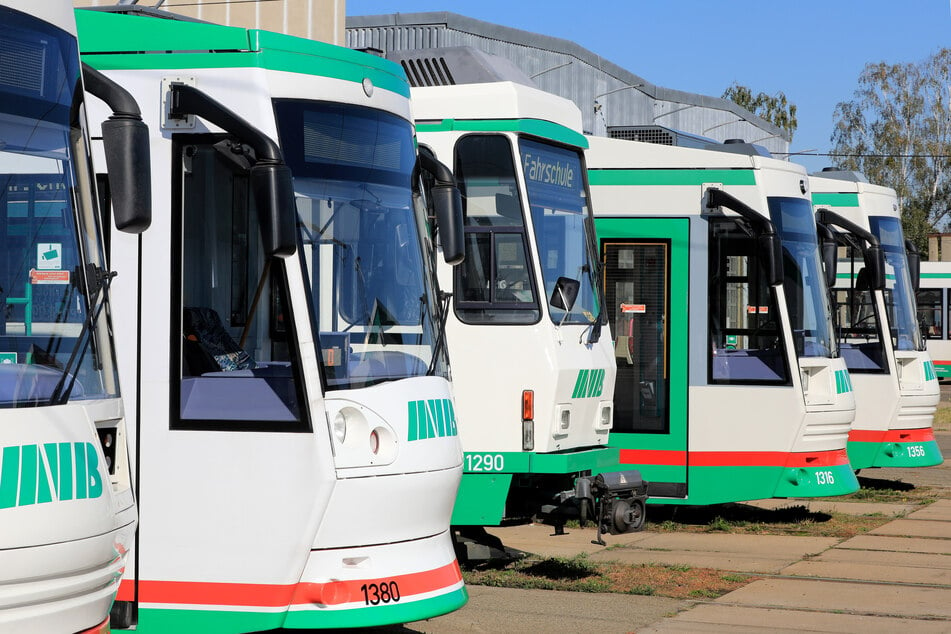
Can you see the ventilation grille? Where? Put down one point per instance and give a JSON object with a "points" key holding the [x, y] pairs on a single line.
{"points": [[427, 71], [659, 135], [656, 135]]}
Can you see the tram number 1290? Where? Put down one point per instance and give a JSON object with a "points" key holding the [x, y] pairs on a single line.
{"points": [[484, 462], [383, 592]]}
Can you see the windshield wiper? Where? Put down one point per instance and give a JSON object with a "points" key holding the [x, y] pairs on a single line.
{"points": [[444, 298], [92, 284]]}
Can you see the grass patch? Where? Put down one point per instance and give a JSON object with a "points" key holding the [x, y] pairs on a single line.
{"points": [[580, 574], [747, 519]]}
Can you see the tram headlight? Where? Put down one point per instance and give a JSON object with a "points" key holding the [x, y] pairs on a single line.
{"points": [[340, 427]]}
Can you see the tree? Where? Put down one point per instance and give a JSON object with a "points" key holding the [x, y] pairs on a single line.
{"points": [[897, 131], [773, 108]]}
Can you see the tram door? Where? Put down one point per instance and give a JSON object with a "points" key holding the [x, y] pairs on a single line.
{"points": [[645, 288]]}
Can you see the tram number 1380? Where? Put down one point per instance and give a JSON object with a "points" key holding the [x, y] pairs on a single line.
{"points": [[383, 592]]}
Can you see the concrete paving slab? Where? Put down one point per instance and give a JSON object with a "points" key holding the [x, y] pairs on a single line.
{"points": [[766, 545], [914, 528], [832, 506], [897, 544], [886, 558], [939, 510], [870, 572], [721, 618], [840, 596], [532, 611]]}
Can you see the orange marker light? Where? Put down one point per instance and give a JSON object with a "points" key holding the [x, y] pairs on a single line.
{"points": [[528, 405]]}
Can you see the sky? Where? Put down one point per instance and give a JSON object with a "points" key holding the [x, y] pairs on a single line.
{"points": [[812, 50]]}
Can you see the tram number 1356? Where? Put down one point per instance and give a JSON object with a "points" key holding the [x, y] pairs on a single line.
{"points": [[383, 592]]}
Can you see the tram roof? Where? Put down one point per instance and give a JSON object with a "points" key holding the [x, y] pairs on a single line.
{"points": [[137, 40]]}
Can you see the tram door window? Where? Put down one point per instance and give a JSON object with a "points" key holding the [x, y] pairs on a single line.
{"points": [[239, 367], [929, 313], [857, 323], [746, 342], [637, 293], [495, 283]]}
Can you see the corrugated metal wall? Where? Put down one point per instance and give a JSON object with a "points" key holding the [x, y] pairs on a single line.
{"points": [[607, 94]]}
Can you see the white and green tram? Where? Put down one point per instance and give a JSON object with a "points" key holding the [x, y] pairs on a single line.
{"points": [[294, 437], [896, 388], [533, 371], [67, 511], [728, 383]]}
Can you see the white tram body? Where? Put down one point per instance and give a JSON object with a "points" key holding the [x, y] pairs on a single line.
{"points": [[297, 454], [896, 388], [533, 380], [737, 393], [67, 513]]}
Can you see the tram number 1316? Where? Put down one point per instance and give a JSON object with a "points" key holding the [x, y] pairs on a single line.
{"points": [[825, 477], [383, 592]]}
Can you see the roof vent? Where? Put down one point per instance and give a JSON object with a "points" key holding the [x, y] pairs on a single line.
{"points": [[657, 134], [449, 66]]}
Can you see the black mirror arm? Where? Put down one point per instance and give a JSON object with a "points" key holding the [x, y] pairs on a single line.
{"points": [[719, 198], [119, 100], [188, 100], [829, 217]]}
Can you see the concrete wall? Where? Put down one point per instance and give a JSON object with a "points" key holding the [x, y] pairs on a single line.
{"points": [[322, 20]]}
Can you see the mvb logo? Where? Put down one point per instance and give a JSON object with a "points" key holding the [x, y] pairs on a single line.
{"points": [[52, 472], [434, 418], [843, 382], [588, 384]]}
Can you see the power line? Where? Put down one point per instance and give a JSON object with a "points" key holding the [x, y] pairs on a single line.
{"points": [[846, 155]]}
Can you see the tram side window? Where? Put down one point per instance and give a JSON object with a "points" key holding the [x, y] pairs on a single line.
{"points": [[495, 283], [929, 313], [746, 339], [238, 370]]}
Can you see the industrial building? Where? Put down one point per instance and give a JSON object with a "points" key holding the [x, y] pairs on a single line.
{"points": [[612, 99]]}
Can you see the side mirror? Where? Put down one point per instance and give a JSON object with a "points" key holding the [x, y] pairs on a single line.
{"points": [[126, 145], [914, 264], [827, 251], [771, 250], [447, 202], [875, 267], [273, 189], [446, 198], [565, 293]]}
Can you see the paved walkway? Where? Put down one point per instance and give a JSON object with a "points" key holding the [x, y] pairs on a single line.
{"points": [[895, 578]]}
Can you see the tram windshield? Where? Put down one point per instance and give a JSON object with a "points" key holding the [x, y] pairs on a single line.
{"points": [[54, 336], [554, 178], [804, 284], [899, 297], [372, 294]]}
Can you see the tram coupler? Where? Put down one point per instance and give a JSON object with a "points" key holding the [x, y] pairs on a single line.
{"points": [[618, 499]]}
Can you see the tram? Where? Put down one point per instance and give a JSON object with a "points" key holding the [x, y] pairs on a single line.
{"points": [[533, 373], [933, 304], [67, 511], [295, 441], [728, 384], [896, 388]]}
